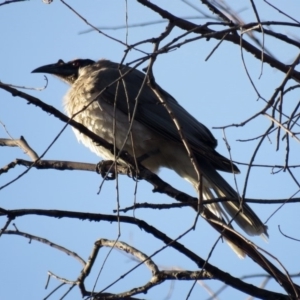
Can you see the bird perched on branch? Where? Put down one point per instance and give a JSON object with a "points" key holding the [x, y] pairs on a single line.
{"points": [[115, 102]]}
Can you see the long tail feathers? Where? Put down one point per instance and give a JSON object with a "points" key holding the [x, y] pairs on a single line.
{"points": [[217, 210], [244, 217], [214, 185]]}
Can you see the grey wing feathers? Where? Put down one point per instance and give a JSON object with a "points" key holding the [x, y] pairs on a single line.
{"points": [[154, 115]]}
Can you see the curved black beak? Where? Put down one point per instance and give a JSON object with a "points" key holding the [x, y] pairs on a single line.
{"points": [[60, 69]]}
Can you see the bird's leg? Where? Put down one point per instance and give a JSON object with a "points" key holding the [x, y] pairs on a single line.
{"points": [[107, 168], [145, 156]]}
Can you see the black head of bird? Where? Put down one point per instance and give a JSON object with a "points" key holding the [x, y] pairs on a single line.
{"points": [[66, 71]]}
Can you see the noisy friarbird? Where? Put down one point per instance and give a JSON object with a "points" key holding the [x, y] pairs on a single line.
{"points": [[105, 100]]}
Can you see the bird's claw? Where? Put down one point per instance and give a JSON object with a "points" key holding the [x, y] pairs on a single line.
{"points": [[106, 169]]}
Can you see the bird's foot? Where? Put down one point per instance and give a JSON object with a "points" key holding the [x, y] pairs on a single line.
{"points": [[109, 168], [106, 169]]}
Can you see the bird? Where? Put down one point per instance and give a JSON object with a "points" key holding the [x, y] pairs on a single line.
{"points": [[113, 101]]}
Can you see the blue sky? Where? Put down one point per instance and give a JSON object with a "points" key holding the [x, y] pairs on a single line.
{"points": [[217, 92]]}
